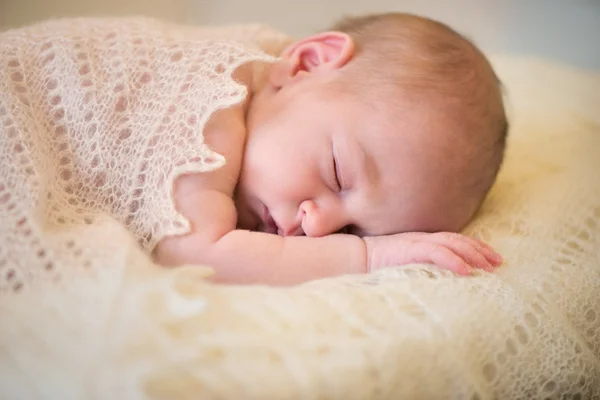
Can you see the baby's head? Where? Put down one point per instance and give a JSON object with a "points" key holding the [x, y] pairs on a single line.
{"points": [[386, 123]]}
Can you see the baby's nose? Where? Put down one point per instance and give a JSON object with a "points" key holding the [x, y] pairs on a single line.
{"points": [[319, 221]]}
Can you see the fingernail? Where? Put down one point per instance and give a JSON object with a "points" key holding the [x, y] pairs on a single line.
{"points": [[498, 259]]}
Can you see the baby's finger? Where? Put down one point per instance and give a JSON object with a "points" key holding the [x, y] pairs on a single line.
{"points": [[488, 252], [463, 248], [427, 252], [479, 242], [493, 258]]}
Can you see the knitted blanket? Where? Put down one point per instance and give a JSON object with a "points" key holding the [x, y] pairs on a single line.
{"points": [[96, 119]]}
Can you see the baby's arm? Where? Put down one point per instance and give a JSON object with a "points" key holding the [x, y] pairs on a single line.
{"points": [[240, 256], [243, 257]]}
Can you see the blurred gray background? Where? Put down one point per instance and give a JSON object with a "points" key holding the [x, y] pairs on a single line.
{"points": [[563, 30]]}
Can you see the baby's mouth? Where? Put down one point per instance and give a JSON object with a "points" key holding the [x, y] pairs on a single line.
{"points": [[268, 223]]}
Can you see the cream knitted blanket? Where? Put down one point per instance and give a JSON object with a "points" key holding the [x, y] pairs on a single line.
{"points": [[97, 117]]}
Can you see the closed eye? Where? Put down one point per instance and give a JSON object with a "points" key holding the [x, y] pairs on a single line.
{"points": [[336, 175]]}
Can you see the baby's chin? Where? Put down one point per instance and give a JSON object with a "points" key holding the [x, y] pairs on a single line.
{"points": [[246, 219], [246, 222]]}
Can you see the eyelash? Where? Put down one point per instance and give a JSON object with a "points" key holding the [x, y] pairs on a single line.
{"points": [[335, 175]]}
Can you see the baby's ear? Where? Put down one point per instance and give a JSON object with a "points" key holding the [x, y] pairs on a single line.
{"points": [[312, 55]]}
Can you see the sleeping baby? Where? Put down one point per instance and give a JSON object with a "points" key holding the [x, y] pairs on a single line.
{"points": [[363, 147], [366, 146]]}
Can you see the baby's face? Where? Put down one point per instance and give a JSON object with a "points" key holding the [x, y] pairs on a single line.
{"points": [[316, 163]]}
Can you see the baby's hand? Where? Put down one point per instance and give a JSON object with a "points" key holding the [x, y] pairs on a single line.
{"points": [[451, 251]]}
